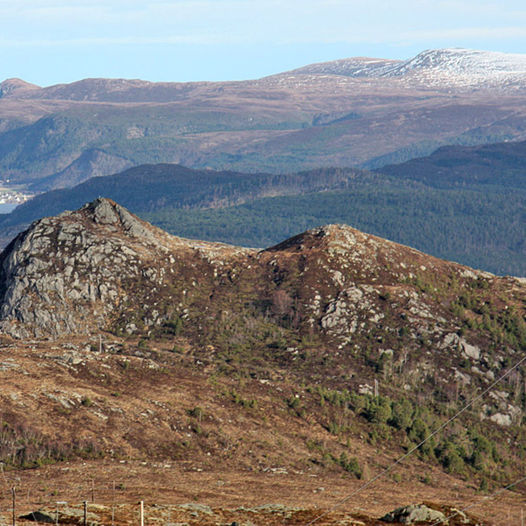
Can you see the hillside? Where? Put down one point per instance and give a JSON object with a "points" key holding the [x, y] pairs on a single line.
{"points": [[205, 361], [500, 165], [352, 112]]}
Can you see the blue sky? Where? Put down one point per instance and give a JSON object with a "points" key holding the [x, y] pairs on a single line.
{"points": [[53, 41]]}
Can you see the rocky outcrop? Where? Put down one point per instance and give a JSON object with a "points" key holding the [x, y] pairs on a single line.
{"points": [[413, 514], [71, 273], [101, 268]]}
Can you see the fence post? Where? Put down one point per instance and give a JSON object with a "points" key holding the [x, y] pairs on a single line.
{"points": [[113, 506], [142, 513], [59, 503], [85, 513], [13, 492]]}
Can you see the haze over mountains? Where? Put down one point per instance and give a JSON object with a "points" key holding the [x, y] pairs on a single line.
{"points": [[352, 112]]}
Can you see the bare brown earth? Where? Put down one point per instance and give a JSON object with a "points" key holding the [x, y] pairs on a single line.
{"points": [[236, 496]]}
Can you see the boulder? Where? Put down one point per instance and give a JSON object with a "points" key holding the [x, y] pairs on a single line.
{"points": [[413, 514]]}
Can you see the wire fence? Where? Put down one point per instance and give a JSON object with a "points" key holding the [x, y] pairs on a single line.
{"points": [[399, 460]]}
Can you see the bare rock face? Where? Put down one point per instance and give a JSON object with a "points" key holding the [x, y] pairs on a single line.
{"points": [[71, 273], [51, 275]]}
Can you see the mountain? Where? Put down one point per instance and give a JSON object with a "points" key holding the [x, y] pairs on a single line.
{"points": [[123, 346], [464, 68], [443, 68], [16, 86], [101, 90], [351, 112], [499, 165]]}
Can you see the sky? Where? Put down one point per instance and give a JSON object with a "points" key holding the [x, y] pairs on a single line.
{"points": [[54, 41]]}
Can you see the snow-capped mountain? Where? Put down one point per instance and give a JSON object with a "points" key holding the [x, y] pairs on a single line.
{"points": [[448, 68], [350, 67]]}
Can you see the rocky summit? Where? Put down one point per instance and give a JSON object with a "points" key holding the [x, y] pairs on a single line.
{"points": [[74, 273], [101, 268]]}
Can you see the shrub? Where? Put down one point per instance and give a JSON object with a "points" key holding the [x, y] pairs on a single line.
{"points": [[379, 410], [350, 464], [86, 401], [196, 412], [402, 414]]}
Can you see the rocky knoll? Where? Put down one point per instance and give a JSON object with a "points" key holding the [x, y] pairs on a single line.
{"points": [[72, 273], [323, 358], [85, 270], [102, 268]]}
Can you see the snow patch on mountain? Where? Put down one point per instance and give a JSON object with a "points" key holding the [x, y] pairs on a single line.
{"points": [[436, 68], [349, 67], [463, 67]]}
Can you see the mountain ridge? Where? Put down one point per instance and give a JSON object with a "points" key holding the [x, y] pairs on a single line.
{"points": [[448, 67], [285, 122], [486, 68]]}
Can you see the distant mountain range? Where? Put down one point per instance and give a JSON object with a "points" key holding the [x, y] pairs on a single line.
{"points": [[351, 112], [462, 203]]}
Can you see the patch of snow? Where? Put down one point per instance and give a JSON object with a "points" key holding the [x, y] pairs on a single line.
{"points": [[438, 68]]}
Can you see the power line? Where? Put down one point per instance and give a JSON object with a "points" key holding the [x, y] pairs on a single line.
{"points": [[412, 450], [498, 492]]}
